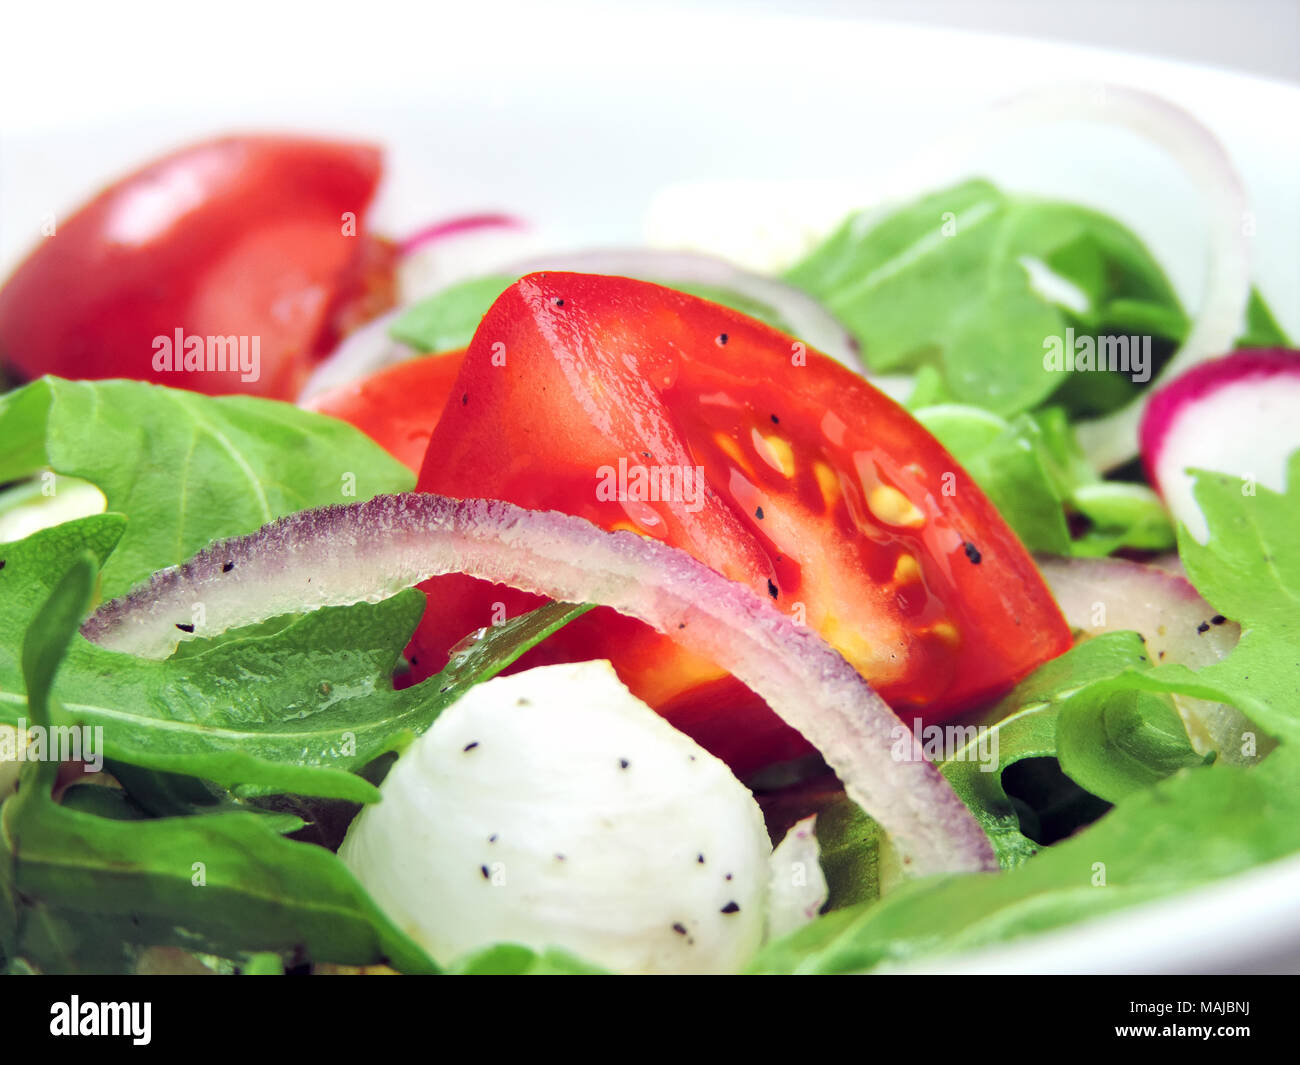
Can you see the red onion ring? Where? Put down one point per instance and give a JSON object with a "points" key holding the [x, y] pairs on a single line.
{"points": [[368, 551], [454, 227]]}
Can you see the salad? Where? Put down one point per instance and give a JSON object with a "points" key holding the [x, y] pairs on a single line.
{"points": [[443, 604]]}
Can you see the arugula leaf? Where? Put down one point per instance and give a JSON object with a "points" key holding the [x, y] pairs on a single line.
{"points": [[79, 891], [295, 708], [449, 319], [29, 570], [1117, 742], [852, 848], [1262, 329], [1031, 469], [185, 468], [1194, 827], [952, 281], [1249, 570], [1024, 725], [512, 959]]}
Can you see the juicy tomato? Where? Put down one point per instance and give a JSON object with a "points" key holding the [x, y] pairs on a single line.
{"points": [[243, 237], [640, 408], [397, 407]]}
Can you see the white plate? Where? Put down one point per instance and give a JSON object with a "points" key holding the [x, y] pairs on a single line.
{"points": [[577, 117]]}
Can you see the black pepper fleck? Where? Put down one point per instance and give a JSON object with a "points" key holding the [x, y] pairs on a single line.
{"points": [[699, 858], [492, 838], [771, 589], [484, 870], [559, 302], [1218, 619], [722, 339], [227, 567], [470, 746], [731, 907], [1204, 626], [464, 400], [184, 628], [775, 419], [679, 928], [758, 513], [623, 763], [972, 553]]}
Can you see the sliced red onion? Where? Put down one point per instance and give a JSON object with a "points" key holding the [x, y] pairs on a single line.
{"points": [[455, 227], [368, 551], [807, 319], [362, 352], [1099, 595]]}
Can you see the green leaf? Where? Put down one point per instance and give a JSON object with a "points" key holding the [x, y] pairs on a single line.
{"points": [[1249, 570], [1007, 461], [512, 959], [1262, 329], [850, 849], [185, 468], [1032, 471], [953, 281], [222, 884], [53, 627], [448, 319], [29, 570], [79, 891], [1114, 741], [1197, 826], [1024, 725]]}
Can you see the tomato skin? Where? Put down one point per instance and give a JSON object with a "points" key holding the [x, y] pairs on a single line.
{"points": [[819, 492], [397, 407], [238, 236]]}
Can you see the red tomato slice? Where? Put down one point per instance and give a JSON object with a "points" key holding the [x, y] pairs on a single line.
{"points": [[397, 407], [236, 237], [813, 488]]}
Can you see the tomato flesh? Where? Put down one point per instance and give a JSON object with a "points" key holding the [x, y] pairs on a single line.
{"points": [[397, 407], [810, 486], [236, 237]]}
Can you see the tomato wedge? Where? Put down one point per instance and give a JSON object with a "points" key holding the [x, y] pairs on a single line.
{"points": [[641, 408], [241, 237], [397, 407]]}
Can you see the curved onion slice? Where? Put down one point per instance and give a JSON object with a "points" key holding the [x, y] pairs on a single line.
{"points": [[1099, 595], [455, 227], [368, 551], [806, 318], [459, 249], [362, 352]]}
